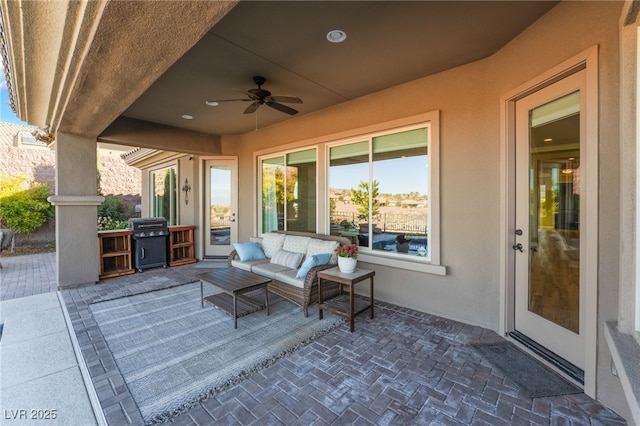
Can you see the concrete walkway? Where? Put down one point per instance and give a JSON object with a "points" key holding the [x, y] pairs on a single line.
{"points": [[41, 370]]}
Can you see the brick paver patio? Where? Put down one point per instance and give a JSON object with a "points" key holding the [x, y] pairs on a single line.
{"points": [[403, 367]]}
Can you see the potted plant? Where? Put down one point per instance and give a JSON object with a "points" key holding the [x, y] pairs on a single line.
{"points": [[347, 257]]}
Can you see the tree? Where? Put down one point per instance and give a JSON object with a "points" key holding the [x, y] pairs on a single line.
{"points": [[24, 210], [361, 198]]}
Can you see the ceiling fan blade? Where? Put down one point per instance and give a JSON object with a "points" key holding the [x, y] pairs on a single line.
{"points": [[282, 108], [252, 108], [286, 99], [215, 103]]}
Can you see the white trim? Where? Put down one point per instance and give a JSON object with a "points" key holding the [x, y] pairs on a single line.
{"points": [[433, 116], [75, 200], [201, 217], [258, 181], [587, 60]]}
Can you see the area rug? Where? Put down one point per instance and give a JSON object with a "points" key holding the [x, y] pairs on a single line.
{"points": [[173, 353], [533, 377]]}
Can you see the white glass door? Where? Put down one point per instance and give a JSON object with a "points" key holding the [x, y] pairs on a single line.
{"points": [[549, 305], [220, 224]]}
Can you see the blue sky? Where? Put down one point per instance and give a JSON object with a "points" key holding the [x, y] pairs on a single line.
{"points": [[6, 114], [395, 176]]}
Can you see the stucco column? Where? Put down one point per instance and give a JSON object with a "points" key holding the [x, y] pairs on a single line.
{"points": [[76, 210]]}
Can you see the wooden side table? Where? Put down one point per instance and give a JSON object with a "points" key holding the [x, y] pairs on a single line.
{"points": [[343, 305]]}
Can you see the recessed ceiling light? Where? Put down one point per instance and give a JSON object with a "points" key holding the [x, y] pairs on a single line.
{"points": [[212, 103], [187, 116], [336, 36]]}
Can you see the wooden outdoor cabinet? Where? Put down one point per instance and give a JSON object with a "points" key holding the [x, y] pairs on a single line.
{"points": [[181, 248], [115, 253]]}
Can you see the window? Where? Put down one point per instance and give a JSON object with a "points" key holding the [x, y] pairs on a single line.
{"points": [[164, 194], [288, 192], [27, 139], [379, 190]]}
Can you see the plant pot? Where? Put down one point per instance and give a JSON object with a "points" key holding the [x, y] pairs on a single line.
{"points": [[347, 264]]}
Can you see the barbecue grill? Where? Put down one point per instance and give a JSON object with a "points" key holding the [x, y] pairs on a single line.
{"points": [[149, 242]]}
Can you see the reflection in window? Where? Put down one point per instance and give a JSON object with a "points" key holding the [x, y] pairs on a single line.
{"points": [[164, 194], [289, 192], [379, 191]]}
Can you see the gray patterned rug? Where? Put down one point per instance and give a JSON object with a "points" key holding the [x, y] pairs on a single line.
{"points": [[173, 353]]}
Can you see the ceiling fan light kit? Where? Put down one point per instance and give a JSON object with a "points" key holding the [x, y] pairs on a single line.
{"points": [[260, 96]]}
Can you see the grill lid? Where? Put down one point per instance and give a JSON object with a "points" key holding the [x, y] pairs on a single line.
{"points": [[148, 227]]}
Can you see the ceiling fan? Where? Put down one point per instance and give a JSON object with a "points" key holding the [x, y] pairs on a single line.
{"points": [[261, 96]]}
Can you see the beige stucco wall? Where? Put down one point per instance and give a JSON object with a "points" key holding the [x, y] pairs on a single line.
{"points": [[468, 98]]}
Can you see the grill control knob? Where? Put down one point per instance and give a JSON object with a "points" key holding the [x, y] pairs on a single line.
{"points": [[142, 234]]}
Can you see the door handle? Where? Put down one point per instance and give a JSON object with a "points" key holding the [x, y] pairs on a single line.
{"points": [[518, 246]]}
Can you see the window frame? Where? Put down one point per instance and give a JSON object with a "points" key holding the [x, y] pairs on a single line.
{"points": [[423, 264], [285, 155], [321, 143], [176, 214]]}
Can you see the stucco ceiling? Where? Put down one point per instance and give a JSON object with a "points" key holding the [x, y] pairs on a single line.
{"points": [[388, 43]]}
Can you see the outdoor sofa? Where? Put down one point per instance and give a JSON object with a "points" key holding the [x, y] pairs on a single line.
{"points": [[292, 260]]}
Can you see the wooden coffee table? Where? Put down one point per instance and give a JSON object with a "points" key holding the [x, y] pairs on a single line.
{"points": [[234, 283]]}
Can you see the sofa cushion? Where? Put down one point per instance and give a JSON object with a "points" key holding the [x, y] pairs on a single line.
{"points": [[312, 261], [272, 242], [288, 276], [269, 270], [287, 258], [296, 244], [317, 246], [249, 251], [248, 264]]}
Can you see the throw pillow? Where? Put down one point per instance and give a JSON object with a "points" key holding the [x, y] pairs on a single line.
{"points": [[317, 246], [249, 251], [296, 244], [287, 258], [313, 261], [272, 242]]}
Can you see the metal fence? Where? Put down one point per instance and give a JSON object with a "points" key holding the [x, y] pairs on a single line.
{"points": [[393, 222], [407, 223]]}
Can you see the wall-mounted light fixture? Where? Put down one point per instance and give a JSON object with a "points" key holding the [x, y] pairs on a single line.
{"points": [[43, 134], [186, 188]]}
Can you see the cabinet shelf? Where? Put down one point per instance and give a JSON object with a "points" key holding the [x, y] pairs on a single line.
{"points": [[114, 253], [181, 248]]}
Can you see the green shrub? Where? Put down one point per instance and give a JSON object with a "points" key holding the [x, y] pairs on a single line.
{"points": [[108, 224], [24, 210], [115, 208]]}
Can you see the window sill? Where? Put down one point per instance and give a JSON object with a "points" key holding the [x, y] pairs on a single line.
{"points": [[418, 265], [625, 352]]}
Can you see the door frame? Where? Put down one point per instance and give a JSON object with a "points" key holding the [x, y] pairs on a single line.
{"points": [[203, 217], [587, 60]]}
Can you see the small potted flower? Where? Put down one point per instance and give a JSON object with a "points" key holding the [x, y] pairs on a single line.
{"points": [[347, 257]]}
